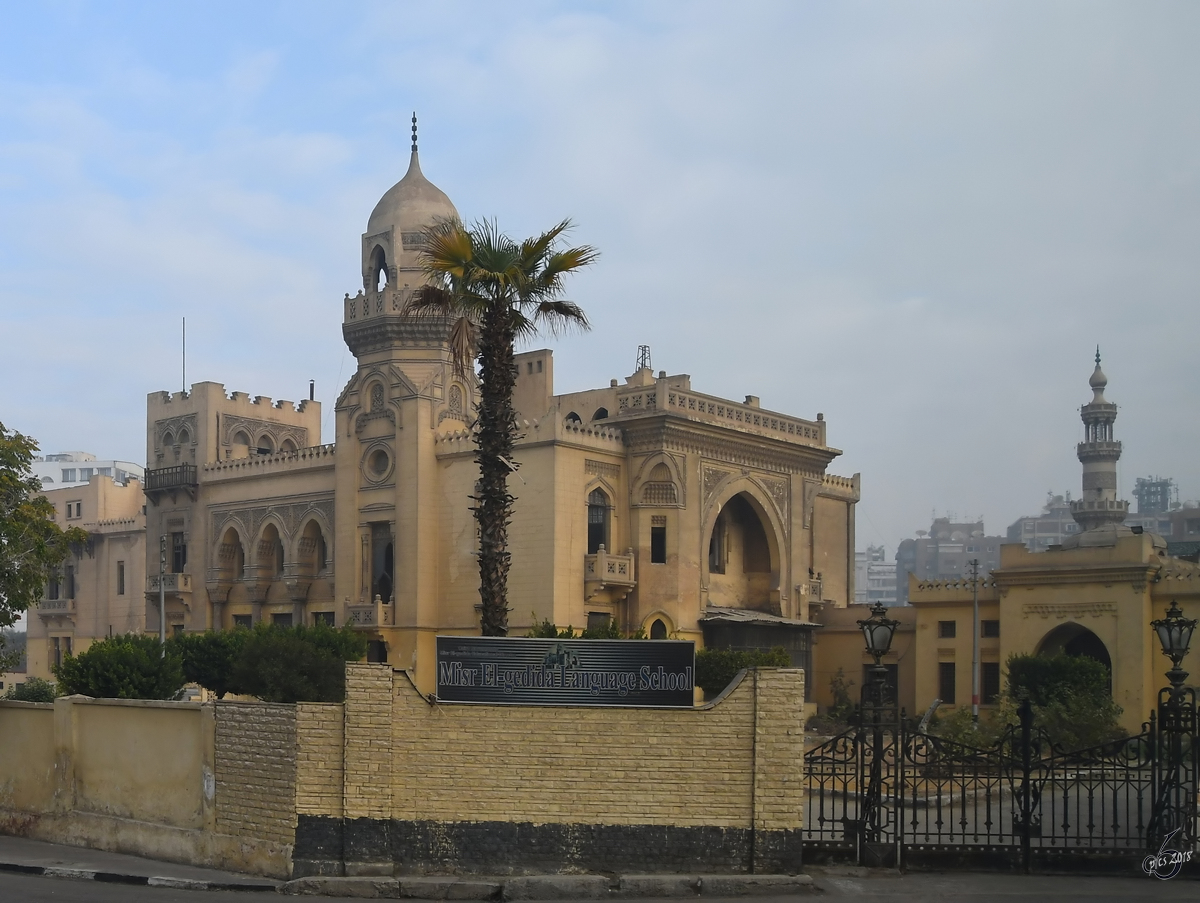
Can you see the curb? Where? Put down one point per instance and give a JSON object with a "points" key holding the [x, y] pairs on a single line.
{"points": [[51, 871], [551, 887]]}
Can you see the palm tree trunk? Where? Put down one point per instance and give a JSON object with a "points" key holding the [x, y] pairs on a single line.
{"points": [[497, 432]]}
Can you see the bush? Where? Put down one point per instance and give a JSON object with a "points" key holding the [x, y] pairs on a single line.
{"points": [[716, 668], [279, 666], [208, 657], [1069, 696], [128, 666], [33, 690], [1045, 679], [545, 630], [840, 714]]}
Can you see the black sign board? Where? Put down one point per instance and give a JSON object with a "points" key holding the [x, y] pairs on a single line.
{"points": [[523, 671]]}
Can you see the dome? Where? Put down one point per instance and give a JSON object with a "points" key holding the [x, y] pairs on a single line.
{"points": [[412, 204]]}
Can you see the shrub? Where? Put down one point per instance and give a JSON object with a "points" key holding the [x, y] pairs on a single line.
{"points": [[716, 668], [34, 689], [545, 630], [279, 666], [1044, 679], [127, 666], [208, 657]]}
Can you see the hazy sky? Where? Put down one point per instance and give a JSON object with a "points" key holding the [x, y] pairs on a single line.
{"points": [[918, 218]]}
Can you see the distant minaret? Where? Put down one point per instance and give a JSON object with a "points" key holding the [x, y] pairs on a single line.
{"points": [[1098, 454]]}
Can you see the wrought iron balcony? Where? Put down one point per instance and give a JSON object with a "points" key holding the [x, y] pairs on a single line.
{"points": [[181, 477]]}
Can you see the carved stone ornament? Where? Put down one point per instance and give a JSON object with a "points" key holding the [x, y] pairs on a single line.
{"points": [[249, 521], [1073, 610], [279, 432], [173, 425]]}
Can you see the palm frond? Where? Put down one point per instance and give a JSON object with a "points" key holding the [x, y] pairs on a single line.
{"points": [[462, 345], [560, 316]]}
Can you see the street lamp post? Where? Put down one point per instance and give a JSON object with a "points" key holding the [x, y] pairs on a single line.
{"points": [[878, 631], [1175, 804]]}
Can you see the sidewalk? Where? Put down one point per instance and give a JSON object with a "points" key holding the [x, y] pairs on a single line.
{"points": [[35, 857]]}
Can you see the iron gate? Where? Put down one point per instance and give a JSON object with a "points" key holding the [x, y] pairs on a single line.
{"points": [[883, 793]]}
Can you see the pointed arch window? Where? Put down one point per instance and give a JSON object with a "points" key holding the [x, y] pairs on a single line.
{"points": [[597, 521]]}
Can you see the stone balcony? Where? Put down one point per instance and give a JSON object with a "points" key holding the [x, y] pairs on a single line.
{"points": [[173, 584], [372, 615], [608, 573], [56, 608], [170, 480]]}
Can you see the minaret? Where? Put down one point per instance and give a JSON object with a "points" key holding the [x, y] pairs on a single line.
{"points": [[1098, 454]]}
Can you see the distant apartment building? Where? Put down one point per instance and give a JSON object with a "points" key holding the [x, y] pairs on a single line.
{"points": [[75, 468], [945, 553], [1156, 498], [874, 577], [1039, 532]]}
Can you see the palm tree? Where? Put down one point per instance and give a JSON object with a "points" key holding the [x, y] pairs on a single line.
{"points": [[493, 290]]}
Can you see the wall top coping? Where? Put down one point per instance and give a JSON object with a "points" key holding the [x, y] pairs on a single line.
{"points": [[180, 705], [18, 703]]}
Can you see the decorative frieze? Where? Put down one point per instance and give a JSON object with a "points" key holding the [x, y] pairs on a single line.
{"points": [[249, 521], [602, 468], [1073, 610]]}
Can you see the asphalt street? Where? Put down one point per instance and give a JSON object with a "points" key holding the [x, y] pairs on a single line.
{"points": [[974, 887]]}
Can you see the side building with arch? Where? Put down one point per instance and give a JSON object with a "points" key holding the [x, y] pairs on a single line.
{"points": [[644, 502], [1094, 595]]}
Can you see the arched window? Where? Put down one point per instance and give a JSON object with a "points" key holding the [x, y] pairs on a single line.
{"points": [[658, 630], [231, 556], [270, 551], [168, 439], [266, 445], [379, 272], [574, 418], [377, 397], [455, 402], [597, 520], [185, 438], [601, 414], [288, 446]]}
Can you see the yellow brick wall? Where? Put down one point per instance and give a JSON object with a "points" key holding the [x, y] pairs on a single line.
{"points": [[778, 750], [319, 773], [368, 745], [255, 770], [733, 764]]}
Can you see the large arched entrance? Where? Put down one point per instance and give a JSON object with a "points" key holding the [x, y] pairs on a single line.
{"points": [[743, 562], [1075, 639]]}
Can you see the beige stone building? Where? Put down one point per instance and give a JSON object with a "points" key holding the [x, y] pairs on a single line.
{"points": [[647, 501], [1095, 594], [97, 591]]}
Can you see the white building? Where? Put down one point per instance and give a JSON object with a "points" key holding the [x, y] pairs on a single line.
{"points": [[74, 469], [874, 577]]}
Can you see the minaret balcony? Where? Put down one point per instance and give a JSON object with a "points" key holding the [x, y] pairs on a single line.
{"points": [[1098, 451]]}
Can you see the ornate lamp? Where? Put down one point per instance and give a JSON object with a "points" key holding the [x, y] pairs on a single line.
{"points": [[1175, 634], [879, 629]]}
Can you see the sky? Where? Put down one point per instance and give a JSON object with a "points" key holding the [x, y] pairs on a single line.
{"points": [[918, 219]]}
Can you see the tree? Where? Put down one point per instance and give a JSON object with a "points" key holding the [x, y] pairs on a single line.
{"points": [[31, 543], [34, 689], [126, 666], [296, 664], [208, 658], [492, 291]]}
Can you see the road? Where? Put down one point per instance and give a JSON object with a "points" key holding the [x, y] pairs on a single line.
{"points": [[847, 883]]}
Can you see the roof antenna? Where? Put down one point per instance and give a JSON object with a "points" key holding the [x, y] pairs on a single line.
{"points": [[643, 361], [414, 131]]}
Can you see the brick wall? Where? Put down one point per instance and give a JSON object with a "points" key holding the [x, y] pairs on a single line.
{"points": [[319, 774], [430, 787], [255, 770]]}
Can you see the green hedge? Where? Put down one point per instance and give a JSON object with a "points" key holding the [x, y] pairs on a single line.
{"points": [[715, 668], [126, 666]]}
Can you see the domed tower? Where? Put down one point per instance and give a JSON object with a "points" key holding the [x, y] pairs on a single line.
{"points": [[1099, 454], [391, 266]]}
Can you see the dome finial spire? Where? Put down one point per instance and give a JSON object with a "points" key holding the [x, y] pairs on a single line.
{"points": [[1097, 347], [414, 150]]}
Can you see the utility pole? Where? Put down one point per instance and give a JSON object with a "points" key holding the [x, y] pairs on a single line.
{"points": [[162, 592], [975, 640]]}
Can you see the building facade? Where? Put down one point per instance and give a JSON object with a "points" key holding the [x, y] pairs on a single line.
{"points": [[874, 577], [644, 501], [76, 468], [97, 591]]}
